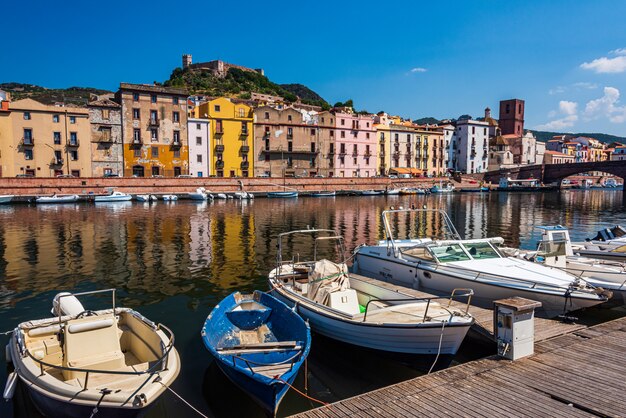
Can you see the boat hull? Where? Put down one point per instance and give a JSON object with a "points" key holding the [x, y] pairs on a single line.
{"points": [[412, 275], [62, 199], [100, 199], [282, 194], [6, 199], [323, 194]]}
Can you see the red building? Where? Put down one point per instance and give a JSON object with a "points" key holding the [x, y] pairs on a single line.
{"points": [[511, 119]]}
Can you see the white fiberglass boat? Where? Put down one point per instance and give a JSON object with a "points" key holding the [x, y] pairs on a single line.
{"points": [[169, 197], [360, 311], [439, 266], [57, 199], [6, 198], [200, 194], [441, 188], [371, 192], [608, 244], [243, 195], [114, 197], [114, 362], [144, 198], [392, 192], [555, 250]]}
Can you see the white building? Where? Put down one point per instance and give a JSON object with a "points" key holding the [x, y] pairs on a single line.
{"points": [[470, 146], [448, 134], [199, 147]]}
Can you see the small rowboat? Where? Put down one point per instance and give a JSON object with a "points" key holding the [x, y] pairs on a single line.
{"points": [[323, 194], [259, 343], [282, 194]]}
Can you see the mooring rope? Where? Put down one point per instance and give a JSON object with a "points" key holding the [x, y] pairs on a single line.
{"points": [[443, 325], [300, 392], [158, 380]]}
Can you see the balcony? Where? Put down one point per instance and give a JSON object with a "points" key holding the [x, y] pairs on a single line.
{"points": [[381, 152], [289, 136], [137, 142], [219, 131], [472, 154], [102, 138], [56, 161], [153, 122], [244, 133], [245, 165], [342, 152], [367, 154], [355, 153], [28, 142], [245, 149], [73, 143], [219, 148], [219, 164], [176, 143]]}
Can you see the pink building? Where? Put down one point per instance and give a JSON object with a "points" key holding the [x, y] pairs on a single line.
{"points": [[352, 144]]}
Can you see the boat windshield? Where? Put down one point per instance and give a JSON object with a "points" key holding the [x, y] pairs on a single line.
{"points": [[481, 250], [447, 253]]}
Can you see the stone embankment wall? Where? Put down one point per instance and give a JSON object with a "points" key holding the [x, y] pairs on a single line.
{"points": [[85, 186]]}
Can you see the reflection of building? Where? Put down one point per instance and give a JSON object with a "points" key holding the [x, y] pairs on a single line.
{"points": [[154, 123], [47, 140], [200, 245], [107, 150]]}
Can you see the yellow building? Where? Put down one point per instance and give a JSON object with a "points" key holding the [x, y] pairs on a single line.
{"points": [[231, 136], [45, 140], [154, 130]]}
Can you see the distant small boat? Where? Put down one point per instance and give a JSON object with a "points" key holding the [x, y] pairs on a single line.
{"points": [[411, 191], [221, 196], [371, 192], [259, 343], [6, 198], [448, 188], [282, 194], [57, 199], [142, 198], [323, 194], [243, 195], [200, 194], [113, 197], [169, 197], [392, 192]]}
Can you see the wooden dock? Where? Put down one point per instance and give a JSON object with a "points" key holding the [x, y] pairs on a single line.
{"points": [[577, 374], [483, 327]]}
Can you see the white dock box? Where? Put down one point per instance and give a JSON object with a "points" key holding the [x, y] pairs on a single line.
{"points": [[514, 328]]}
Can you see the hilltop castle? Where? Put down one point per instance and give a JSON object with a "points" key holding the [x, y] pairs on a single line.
{"points": [[217, 68]]}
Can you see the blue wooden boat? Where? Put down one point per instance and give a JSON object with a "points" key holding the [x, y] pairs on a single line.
{"points": [[282, 194], [259, 343]]}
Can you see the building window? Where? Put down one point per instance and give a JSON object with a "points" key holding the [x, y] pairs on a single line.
{"points": [[198, 127], [289, 133], [28, 136], [354, 161], [28, 154], [242, 112], [216, 108], [218, 127], [289, 146], [176, 137], [508, 109], [175, 100], [199, 158], [176, 117], [332, 134], [473, 130], [289, 118], [154, 116], [137, 152], [343, 122], [198, 140], [136, 113], [154, 134], [313, 131], [153, 98], [26, 115], [367, 124], [267, 115], [73, 138], [136, 135], [244, 128], [74, 155], [55, 118], [57, 138], [58, 157], [72, 119], [105, 114], [136, 97], [312, 146], [367, 135], [106, 134], [154, 151], [322, 120], [267, 145], [176, 153], [267, 157], [343, 134]]}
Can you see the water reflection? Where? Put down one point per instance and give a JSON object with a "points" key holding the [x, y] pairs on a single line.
{"points": [[174, 260]]}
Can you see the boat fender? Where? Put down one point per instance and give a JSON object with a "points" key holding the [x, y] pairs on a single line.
{"points": [[51, 329], [90, 326], [9, 388], [140, 400], [7, 353]]}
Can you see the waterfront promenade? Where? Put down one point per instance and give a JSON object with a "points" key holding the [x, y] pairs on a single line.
{"points": [[577, 374]]}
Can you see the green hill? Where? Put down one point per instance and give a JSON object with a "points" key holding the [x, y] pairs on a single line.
{"points": [[78, 96], [239, 83], [606, 138]]}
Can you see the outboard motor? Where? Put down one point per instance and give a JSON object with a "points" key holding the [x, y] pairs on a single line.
{"points": [[66, 305]]}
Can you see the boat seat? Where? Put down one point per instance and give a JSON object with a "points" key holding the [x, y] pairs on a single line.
{"points": [[271, 371], [92, 343]]}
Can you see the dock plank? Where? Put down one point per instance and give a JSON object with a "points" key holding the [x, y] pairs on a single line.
{"points": [[575, 373]]}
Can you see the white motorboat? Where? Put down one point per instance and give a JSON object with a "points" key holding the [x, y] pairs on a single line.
{"points": [[200, 194], [392, 192], [82, 363], [6, 198], [169, 197], [362, 312], [143, 198], [441, 265], [113, 197], [412, 191], [371, 192], [221, 196], [441, 188], [555, 250], [57, 198], [243, 195], [608, 244]]}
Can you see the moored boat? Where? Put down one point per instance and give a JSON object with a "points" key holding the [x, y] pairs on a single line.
{"points": [[6, 198], [441, 188], [439, 265], [285, 193], [323, 194], [412, 191], [114, 197], [371, 192], [57, 199], [392, 192], [259, 343], [200, 194], [361, 312], [169, 197], [113, 361], [242, 195], [608, 244]]}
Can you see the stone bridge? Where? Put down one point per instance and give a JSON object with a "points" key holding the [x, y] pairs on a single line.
{"points": [[551, 173]]}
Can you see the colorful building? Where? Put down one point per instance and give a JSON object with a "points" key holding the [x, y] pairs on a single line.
{"points": [[154, 126], [285, 142], [107, 149], [199, 141], [230, 131], [6, 134], [46, 140]]}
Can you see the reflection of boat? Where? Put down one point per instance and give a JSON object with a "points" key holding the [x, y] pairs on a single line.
{"points": [[323, 194], [6, 198], [114, 362], [555, 250], [439, 266], [259, 343], [113, 197], [371, 192], [57, 199], [359, 311], [282, 194], [200, 194]]}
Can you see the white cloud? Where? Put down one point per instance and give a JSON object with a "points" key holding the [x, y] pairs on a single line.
{"points": [[418, 70], [606, 64], [583, 85], [618, 51], [558, 124], [557, 90], [606, 106], [568, 108]]}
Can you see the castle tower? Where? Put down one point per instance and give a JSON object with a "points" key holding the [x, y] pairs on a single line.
{"points": [[487, 113], [511, 118], [186, 60]]}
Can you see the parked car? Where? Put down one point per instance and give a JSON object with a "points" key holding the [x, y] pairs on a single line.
{"points": [[184, 176], [263, 175], [392, 176]]}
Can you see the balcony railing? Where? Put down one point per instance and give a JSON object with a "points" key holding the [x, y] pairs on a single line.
{"points": [[355, 153], [289, 136], [28, 142], [245, 165], [367, 154], [56, 161], [73, 143], [342, 152], [176, 143], [137, 141], [219, 148], [219, 164], [245, 149], [244, 133], [154, 122], [219, 131]]}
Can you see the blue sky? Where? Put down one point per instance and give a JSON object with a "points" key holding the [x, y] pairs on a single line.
{"points": [[567, 59]]}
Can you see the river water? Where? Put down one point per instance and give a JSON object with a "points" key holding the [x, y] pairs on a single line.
{"points": [[174, 261]]}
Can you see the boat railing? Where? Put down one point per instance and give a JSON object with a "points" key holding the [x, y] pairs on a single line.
{"points": [[291, 361], [159, 365], [468, 293]]}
